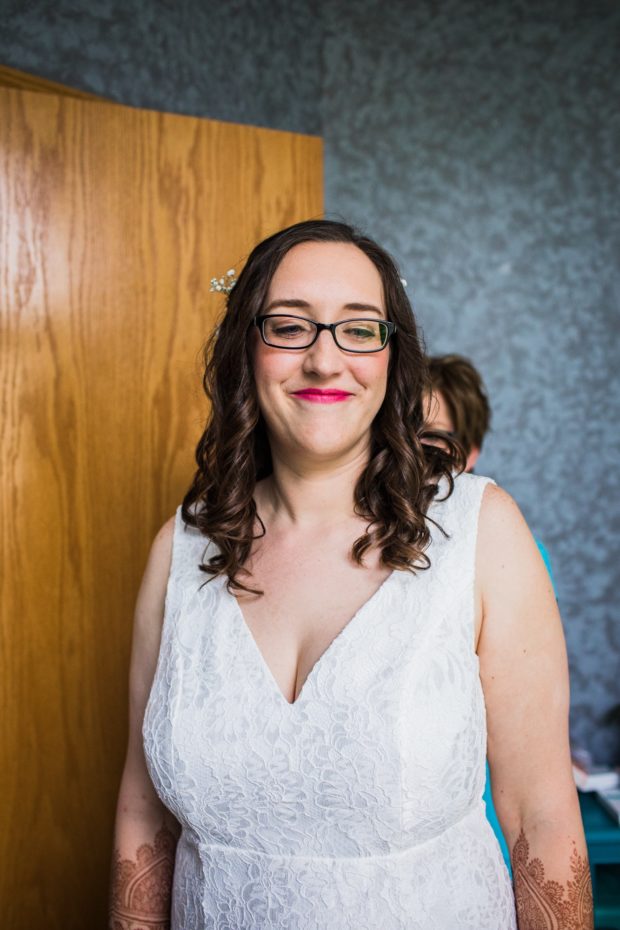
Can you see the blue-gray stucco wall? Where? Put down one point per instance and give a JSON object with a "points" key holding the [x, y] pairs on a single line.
{"points": [[478, 141], [245, 61]]}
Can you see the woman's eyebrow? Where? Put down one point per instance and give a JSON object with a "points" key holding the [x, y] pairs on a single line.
{"points": [[369, 307], [287, 302], [304, 305]]}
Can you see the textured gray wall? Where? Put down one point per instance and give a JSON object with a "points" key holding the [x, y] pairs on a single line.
{"points": [[245, 61], [479, 142]]}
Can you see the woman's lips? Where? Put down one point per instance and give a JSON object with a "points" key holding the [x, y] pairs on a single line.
{"points": [[322, 397]]}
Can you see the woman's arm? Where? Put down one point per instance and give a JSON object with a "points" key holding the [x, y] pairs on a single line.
{"points": [[524, 674], [146, 832]]}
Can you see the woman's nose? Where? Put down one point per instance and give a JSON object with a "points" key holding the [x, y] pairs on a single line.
{"points": [[324, 356]]}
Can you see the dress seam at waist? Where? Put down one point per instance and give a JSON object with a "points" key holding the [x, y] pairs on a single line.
{"points": [[388, 855]]}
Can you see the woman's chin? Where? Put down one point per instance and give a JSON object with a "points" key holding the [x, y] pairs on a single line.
{"points": [[330, 448]]}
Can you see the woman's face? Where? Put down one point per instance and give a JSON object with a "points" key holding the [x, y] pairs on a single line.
{"points": [[325, 282]]}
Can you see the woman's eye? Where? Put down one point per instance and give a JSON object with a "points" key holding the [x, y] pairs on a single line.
{"points": [[289, 330], [361, 332]]}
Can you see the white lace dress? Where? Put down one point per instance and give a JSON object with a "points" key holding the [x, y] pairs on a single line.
{"points": [[358, 807]]}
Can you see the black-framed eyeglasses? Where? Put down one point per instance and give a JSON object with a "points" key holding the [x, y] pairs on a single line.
{"points": [[285, 331]]}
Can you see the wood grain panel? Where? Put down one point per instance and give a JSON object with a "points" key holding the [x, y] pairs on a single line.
{"points": [[112, 222]]}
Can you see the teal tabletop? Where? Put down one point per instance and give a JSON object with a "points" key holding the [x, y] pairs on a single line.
{"points": [[603, 839]]}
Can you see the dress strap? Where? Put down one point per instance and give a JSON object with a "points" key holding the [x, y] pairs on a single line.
{"points": [[453, 548]]}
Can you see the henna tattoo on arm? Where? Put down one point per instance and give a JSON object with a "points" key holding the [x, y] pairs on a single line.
{"points": [[549, 905], [141, 888]]}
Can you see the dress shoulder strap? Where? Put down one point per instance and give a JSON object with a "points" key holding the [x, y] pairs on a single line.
{"points": [[453, 546], [463, 505]]}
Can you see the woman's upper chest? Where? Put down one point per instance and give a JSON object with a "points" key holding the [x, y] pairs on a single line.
{"points": [[312, 590]]}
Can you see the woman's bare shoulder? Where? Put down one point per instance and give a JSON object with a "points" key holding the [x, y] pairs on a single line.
{"points": [[514, 582], [508, 562], [500, 514], [149, 611], [161, 548]]}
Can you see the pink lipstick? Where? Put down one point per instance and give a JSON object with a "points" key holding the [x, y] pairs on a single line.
{"points": [[316, 396]]}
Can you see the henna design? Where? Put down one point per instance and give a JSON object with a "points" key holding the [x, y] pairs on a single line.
{"points": [[542, 905], [140, 892]]}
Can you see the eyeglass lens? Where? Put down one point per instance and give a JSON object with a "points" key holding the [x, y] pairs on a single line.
{"points": [[354, 335]]}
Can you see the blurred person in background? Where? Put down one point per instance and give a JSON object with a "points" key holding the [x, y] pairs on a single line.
{"points": [[459, 404]]}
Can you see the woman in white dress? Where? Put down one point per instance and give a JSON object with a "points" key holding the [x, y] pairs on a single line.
{"points": [[330, 635]]}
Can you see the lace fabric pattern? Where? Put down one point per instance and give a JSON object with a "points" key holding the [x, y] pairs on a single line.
{"points": [[359, 805]]}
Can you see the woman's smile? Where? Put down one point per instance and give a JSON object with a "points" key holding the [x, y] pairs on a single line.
{"points": [[318, 396]]}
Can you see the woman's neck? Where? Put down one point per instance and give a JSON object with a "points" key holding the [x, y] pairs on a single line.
{"points": [[309, 496]]}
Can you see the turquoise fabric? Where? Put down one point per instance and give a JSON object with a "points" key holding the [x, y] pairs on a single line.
{"points": [[546, 560], [488, 796]]}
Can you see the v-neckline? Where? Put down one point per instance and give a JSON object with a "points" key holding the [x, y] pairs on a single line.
{"points": [[327, 652]]}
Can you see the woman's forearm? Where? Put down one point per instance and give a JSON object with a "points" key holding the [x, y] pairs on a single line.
{"points": [[142, 871], [552, 885]]}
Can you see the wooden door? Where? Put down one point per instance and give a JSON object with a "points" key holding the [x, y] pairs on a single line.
{"points": [[112, 222]]}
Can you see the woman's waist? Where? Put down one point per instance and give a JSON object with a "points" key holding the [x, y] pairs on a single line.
{"points": [[337, 846]]}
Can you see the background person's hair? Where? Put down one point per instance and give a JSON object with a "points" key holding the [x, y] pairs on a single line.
{"points": [[463, 390], [401, 478]]}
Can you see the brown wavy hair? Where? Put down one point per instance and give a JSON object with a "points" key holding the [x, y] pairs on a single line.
{"points": [[401, 478], [462, 388]]}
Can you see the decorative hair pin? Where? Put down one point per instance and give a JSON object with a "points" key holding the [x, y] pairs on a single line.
{"points": [[225, 284]]}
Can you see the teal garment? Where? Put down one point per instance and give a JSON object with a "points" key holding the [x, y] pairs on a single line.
{"points": [[546, 560], [487, 797]]}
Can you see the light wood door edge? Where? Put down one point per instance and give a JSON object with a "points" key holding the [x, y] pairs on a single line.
{"points": [[21, 80]]}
